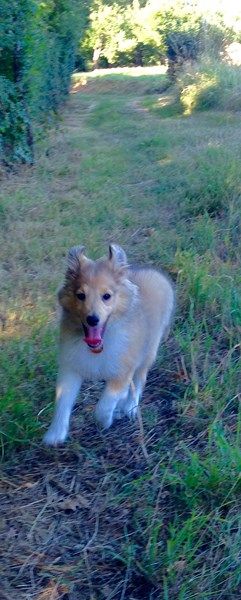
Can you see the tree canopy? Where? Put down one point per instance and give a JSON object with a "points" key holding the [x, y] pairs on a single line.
{"points": [[135, 32]]}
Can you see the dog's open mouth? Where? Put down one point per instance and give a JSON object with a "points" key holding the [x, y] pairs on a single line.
{"points": [[94, 336]]}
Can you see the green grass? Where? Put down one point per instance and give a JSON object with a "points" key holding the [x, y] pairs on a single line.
{"points": [[166, 187], [210, 84]]}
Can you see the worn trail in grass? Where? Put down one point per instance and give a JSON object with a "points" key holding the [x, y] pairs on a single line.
{"points": [[148, 510]]}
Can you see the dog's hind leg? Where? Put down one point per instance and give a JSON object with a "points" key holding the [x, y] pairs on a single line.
{"points": [[115, 391], [68, 386], [130, 406]]}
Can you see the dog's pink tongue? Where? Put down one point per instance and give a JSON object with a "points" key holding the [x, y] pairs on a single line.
{"points": [[93, 336]]}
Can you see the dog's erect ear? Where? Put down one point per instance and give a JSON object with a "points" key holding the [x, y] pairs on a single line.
{"points": [[117, 256], [75, 260]]}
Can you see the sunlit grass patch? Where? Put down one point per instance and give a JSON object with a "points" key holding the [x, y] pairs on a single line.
{"points": [[202, 94], [132, 79], [164, 106], [210, 84]]}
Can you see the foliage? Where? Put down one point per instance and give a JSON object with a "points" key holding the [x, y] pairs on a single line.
{"points": [[124, 33], [180, 29], [14, 124], [38, 42], [141, 33], [210, 84]]}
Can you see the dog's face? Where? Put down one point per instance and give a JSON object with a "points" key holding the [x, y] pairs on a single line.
{"points": [[95, 290]]}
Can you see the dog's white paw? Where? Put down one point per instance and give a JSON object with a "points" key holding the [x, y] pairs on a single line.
{"points": [[127, 408], [55, 436], [130, 410], [118, 414], [103, 416]]}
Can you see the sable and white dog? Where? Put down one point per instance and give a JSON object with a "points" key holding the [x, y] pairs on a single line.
{"points": [[113, 319]]}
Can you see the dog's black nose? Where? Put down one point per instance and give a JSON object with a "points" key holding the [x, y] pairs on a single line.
{"points": [[92, 320]]}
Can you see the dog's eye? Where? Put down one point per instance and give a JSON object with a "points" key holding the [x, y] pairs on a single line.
{"points": [[106, 296], [81, 296]]}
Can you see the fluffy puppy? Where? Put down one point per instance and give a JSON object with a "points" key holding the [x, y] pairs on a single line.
{"points": [[113, 319]]}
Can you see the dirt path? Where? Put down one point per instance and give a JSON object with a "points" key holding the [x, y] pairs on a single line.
{"points": [[67, 514]]}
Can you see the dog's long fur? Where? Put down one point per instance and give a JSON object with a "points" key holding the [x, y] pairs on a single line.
{"points": [[134, 308]]}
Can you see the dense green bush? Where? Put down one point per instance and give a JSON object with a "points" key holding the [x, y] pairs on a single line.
{"points": [[210, 84], [15, 130], [38, 44]]}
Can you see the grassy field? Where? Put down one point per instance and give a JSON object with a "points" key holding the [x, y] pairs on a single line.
{"points": [[150, 510]]}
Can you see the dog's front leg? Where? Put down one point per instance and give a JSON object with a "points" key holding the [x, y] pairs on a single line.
{"points": [[105, 408], [68, 386]]}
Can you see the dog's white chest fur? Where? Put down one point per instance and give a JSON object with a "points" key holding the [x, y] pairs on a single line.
{"points": [[75, 354]]}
